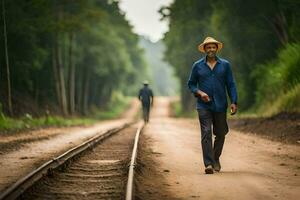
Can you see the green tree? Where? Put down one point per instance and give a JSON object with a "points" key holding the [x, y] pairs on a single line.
{"points": [[69, 55], [252, 33]]}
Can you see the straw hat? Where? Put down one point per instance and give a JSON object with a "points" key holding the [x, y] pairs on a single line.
{"points": [[146, 82], [209, 40]]}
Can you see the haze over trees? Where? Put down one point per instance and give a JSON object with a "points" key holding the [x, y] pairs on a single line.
{"points": [[163, 80]]}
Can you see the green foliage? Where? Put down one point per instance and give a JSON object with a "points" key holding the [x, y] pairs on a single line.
{"points": [[290, 102], [105, 53], [113, 110], [289, 61], [252, 33], [185, 33], [278, 81], [26, 122]]}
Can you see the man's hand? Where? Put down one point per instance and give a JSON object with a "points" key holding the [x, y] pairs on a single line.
{"points": [[233, 109], [203, 96]]}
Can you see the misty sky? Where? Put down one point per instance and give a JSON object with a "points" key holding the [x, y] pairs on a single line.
{"points": [[143, 15]]}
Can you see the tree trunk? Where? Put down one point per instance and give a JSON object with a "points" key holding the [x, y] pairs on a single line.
{"points": [[58, 65], [187, 100], [85, 93], [55, 73], [79, 86], [36, 91], [61, 81], [279, 26], [71, 78], [9, 101]]}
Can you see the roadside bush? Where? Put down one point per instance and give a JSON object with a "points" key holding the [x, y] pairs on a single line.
{"points": [[278, 81]]}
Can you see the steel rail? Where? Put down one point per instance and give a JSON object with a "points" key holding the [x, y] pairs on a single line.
{"points": [[15, 190], [129, 188]]}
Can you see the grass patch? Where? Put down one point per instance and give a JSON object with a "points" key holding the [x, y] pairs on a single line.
{"points": [[287, 102], [28, 122], [278, 83], [112, 111]]}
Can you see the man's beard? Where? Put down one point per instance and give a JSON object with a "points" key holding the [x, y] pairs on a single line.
{"points": [[211, 54]]}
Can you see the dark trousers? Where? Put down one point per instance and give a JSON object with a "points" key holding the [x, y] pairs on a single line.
{"points": [[146, 112], [216, 123]]}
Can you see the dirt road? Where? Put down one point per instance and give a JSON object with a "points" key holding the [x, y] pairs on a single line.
{"points": [[252, 167]]}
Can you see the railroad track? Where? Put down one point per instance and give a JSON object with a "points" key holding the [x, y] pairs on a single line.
{"points": [[101, 168]]}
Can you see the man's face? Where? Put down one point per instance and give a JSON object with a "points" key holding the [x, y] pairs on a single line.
{"points": [[211, 50]]}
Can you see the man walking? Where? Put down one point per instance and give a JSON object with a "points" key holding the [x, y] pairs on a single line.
{"points": [[146, 97], [209, 80]]}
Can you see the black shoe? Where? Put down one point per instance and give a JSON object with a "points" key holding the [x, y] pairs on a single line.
{"points": [[209, 170], [217, 166]]}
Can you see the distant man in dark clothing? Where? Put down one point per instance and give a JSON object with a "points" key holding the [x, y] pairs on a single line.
{"points": [[209, 80], [146, 97]]}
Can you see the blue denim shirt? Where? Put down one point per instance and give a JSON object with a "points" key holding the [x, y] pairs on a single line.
{"points": [[214, 83]]}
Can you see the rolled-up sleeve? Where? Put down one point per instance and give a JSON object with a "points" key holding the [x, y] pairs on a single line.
{"points": [[230, 85], [192, 82]]}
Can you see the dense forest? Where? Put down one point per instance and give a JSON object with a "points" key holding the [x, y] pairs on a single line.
{"points": [[261, 40], [66, 56]]}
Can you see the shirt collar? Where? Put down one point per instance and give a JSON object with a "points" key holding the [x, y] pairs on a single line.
{"points": [[217, 58]]}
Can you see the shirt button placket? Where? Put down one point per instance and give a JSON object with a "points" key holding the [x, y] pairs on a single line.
{"points": [[213, 84]]}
